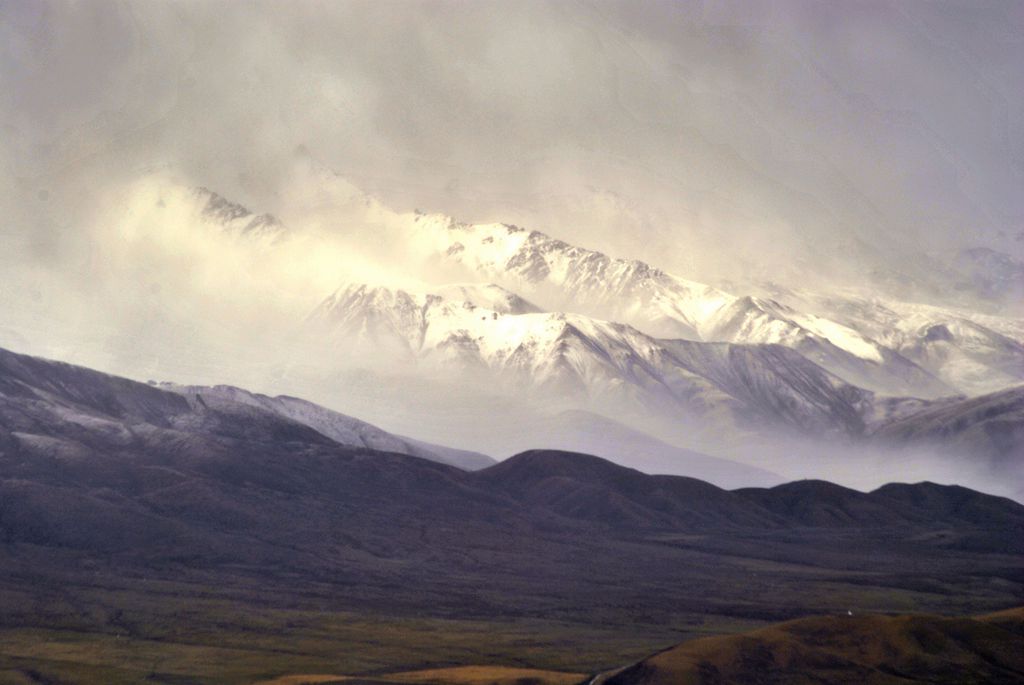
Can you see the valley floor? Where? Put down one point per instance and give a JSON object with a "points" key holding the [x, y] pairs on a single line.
{"points": [[109, 626]]}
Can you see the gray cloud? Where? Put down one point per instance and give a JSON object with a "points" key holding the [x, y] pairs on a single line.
{"points": [[774, 137]]}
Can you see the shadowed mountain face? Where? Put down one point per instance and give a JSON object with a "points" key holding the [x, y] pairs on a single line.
{"points": [[991, 426], [225, 456], [882, 650], [584, 487], [27, 382], [107, 483], [818, 503], [35, 390], [342, 429]]}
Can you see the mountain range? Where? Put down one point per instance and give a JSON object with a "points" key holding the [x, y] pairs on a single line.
{"points": [[729, 388], [896, 356], [78, 430], [734, 371], [523, 343], [115, 487], [886, 346]]}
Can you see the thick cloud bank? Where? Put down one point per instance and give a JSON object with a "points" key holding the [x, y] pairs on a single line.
{"points": [[777, 138]]}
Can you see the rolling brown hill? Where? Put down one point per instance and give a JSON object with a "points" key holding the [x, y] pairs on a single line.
{"points": [[846, 649]]}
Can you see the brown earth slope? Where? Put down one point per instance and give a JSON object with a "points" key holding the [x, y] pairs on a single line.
{"points": [[862, 650]]}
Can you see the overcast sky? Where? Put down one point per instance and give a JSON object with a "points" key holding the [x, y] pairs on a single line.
{"points": [[706, 135]]}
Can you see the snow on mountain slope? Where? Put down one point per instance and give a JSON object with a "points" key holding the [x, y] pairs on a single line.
{"points": [[972, 357], [833, 346], [575, 279], [893, 348], [973, 352], [487, 296], [586, 360], [592, 283], [568, 352], [343, 429], [783, 385]]}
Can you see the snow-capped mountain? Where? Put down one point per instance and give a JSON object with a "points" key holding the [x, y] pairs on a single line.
{"points": [[717, 397], [531, 321], [974, 352], [569, 352], [889, 347], [533, 316], [841, 349], [562, 276], [589, 361]]}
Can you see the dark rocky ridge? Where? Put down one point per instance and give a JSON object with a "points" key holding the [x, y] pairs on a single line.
{"points": [[105, 482]]}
